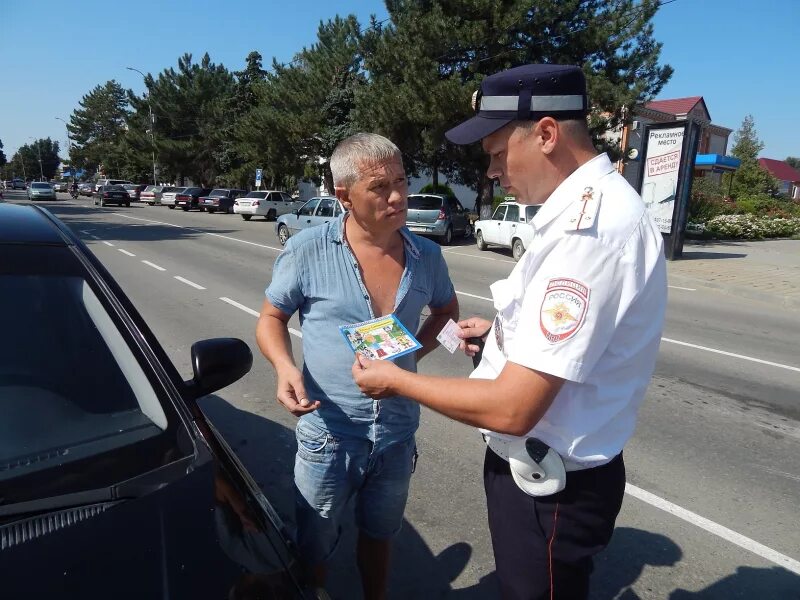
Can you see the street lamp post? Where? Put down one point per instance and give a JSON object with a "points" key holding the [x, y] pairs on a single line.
{"points": [[152, 123]]}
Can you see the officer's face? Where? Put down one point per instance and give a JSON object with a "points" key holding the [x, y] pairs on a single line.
{"points": [[518, 163], [378, 200]]}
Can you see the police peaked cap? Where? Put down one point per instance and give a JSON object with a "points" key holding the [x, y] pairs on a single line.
{"points": [[525, 93]]}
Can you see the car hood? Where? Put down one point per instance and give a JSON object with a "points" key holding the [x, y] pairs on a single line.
{"points": [[184, 540]]}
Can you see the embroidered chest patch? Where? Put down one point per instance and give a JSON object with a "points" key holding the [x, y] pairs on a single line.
{"points": [[563, 309]]}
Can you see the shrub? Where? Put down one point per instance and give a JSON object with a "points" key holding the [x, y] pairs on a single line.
{"points": [[764, 205], [751, 227], [439, 188]]}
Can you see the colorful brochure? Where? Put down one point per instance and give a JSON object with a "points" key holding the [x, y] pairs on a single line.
{"points": [[380, 339]]}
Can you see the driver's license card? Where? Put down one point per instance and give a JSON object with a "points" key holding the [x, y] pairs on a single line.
{"points": [[448, 336]]}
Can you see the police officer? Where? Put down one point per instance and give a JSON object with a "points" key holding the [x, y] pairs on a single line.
{"points": [[572, 347]]}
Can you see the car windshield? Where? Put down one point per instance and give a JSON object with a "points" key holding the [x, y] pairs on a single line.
{"points": [[189, 191], [218, 193], [424, 203], [130, 186], [40, 186], [113, 188], [530, 211], [72, 392], [257, 195], [178, 190]]}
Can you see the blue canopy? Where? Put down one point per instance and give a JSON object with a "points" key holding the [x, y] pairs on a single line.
{"points": [[716, 162]]}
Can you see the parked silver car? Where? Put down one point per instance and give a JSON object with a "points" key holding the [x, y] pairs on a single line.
{"points": [[439, 216], [316, 211], [168, 198]]}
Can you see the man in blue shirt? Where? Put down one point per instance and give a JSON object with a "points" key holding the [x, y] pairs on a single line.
{"points": [[363, 265]]}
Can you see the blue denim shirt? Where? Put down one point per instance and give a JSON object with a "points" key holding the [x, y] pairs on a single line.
{"points": [[318, 275]]}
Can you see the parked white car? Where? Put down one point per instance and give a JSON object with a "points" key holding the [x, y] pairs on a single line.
{"points": [[509, 227], [168, 198], [269, 204]]}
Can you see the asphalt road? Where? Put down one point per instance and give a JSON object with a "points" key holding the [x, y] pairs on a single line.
{"points": [[713, 469]]}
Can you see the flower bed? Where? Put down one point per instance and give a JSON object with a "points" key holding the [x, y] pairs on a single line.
{"points": [[751, 227]]}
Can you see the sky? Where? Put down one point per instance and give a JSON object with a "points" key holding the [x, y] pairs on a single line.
{"points": [[740, 55]]}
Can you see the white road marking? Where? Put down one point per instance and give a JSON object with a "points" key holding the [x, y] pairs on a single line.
{"points": [[227, 237], [85, 231], [677, 287], [93, 236], [474, 296], [733, 355], [505, 260], [191, 283], [155, 266], [726, 534], [250, 311], [695, 346], [107, 243], [126, 252], [246, 309]]}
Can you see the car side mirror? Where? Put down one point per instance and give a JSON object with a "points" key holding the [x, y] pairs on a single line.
{"points": [[296, 212], [217, 363]]}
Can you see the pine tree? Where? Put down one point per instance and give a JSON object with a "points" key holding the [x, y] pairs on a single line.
{"points": [[97, 127], [749, 179], [425, 65]]}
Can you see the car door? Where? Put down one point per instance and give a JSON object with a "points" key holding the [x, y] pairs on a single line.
{"points": [[491, 233], [458, 215], [304, 216], [326, 211], [509, 224]]}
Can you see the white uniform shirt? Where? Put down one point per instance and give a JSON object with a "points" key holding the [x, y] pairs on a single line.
{"points": [[585, 303]]}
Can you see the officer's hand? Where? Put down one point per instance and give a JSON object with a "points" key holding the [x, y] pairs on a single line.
{"points": [[292, 393], [474, 327], [374, 377]]}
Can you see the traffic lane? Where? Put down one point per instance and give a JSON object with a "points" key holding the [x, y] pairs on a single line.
{"points": [[178, 318], [245, 269], [442, 490]]}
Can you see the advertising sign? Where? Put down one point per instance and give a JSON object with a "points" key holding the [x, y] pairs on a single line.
{"points": [[660, 173]]}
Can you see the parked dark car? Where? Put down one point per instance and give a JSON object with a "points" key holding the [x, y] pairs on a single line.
{"points": [[220, 199], [113, 483], [134, 190], [438, 216], [111, 194], [190, 198]]}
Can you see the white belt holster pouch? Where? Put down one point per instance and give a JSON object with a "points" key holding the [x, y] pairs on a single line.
{"points": [[537, 469]]}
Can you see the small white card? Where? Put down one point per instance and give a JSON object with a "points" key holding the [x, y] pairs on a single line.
{"points": [[448, 336]]}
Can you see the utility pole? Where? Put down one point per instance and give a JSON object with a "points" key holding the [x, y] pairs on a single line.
{"points": [[152, 123]]}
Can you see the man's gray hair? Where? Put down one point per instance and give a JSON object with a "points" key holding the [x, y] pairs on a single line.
{"points": [[356, 152]]}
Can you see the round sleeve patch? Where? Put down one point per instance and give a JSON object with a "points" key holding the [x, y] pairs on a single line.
{"points": [[563, 309]]}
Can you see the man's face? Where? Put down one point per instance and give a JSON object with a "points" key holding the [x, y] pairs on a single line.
{"points": [[378, 200], [517, 162]]}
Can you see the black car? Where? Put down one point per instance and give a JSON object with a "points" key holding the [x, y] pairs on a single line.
{"points": [[190, 197], [113, 484], [111, 194], [220, 199]]}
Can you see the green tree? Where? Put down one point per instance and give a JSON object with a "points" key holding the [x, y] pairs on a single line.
{"points": [[98, 127], [304, 109], [749, 179], [3, 160], [790, 160], [190, 118], [448, 46], [26, 160]]}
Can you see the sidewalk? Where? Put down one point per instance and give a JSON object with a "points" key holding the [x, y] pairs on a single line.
{"points": [[766, 270]]}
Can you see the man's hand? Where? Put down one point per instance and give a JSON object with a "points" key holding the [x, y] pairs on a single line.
{"points": [[374, 377], [292, 394], [474, 327]]}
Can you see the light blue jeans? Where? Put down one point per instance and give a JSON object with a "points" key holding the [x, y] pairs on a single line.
{"points": [[329, 471]]}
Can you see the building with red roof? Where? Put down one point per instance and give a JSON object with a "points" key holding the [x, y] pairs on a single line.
{"points": [[787, 176]]}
